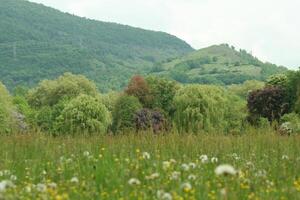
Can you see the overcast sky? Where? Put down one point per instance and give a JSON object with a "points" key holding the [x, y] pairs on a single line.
{"points": [[270, 29]]}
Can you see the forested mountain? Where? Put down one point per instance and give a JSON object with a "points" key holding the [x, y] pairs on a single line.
{"points": [[38, 42], [218, 64]]}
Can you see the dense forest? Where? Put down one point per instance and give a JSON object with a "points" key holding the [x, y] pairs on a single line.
{"points": [[38, 42]]}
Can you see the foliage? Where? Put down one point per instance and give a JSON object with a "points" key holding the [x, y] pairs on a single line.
{"points": [[146, 119], [290, 124], [123, 113], [279, 80], [162, 91], [293, 90], [6, 111], [67, 86], [269, 102], [206, 108], [84, 114], [48, 43], [139, 88], [218, 64], [243, 90]]}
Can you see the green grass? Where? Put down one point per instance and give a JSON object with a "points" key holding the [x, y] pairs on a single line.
{"points": [[268, 166]]}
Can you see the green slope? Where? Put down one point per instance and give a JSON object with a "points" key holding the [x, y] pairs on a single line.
{"points": [[218, 64], [38, 42]]}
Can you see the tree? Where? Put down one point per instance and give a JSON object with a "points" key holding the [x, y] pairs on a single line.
{"points": [[269, 102], [279, 80], [244, 89], [139, 88], [123, 114], [84, 114], [162, 92], [206, 108], [6, 110], [67, 86]]}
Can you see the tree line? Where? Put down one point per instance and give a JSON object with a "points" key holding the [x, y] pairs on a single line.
{"points": [[72, 104]]}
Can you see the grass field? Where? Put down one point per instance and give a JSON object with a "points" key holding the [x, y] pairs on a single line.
{"points": [[145, 166]]}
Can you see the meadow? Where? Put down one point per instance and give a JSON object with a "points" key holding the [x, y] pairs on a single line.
{"points": [[260, 165]]}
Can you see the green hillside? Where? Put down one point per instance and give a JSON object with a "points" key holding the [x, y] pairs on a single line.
{"points": [[218, 64], [38, 42]]}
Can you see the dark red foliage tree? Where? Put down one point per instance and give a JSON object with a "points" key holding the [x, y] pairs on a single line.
{"points": [[138, 87], [269, 102], [146, 119]]}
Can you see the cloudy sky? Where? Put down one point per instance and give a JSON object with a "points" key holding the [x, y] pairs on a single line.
{"points": [[270, 29]]}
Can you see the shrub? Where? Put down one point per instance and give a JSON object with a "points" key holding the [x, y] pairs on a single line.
{"points": [[123, 114], [67, 86], [269, 102], [84, 114], [279, 80], [148, 119], [290, 124]]}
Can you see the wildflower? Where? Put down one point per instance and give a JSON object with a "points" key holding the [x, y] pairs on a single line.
{"points": [[185, 167], [192, 177], [214, 159], [204, 158], [13, 178], [162, 195], [175, 175], [186, 187], [52, 185], [146, 155], [166, 165], [6, 184], [152, 176], [225, 170], [235, 156], [86, 153], [41, 187], [284, 157], [134, 181], [172, 161], [74, 180], [192, 165]]}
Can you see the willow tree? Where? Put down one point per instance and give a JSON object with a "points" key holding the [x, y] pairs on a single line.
{"points": [[206, 108], [6, 110]]}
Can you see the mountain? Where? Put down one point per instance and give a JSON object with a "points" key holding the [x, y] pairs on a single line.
{"points": [[38, 42], [218, 64]]}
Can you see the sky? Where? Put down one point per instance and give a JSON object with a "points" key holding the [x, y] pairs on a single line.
{"points": [[269, 29]]}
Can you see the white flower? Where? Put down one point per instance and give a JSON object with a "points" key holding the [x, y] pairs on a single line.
{"points": [[86, 153], [146, 155], [204, 158], [13, 178], [28, 189], [44, 172], [235, 156], [186, 186], [225, 170], [175, 175], [74, 180], [166, 165], [192, 165], [41, 187], [192, 177], [172, 161], [162, 195], [134, 181], [214, 159], [6, 184], [152, 176], [185, 167], [52, 185], [284, 157]]}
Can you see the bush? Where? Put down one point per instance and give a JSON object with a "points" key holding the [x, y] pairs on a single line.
{"points": [[68, 86], [84, 114], [123, 113], [269, 102], [290, 124], [208, 108], [146, 119], [279, 80]]}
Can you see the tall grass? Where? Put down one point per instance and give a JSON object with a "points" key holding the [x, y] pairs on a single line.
{"points": [[268, 166]]}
